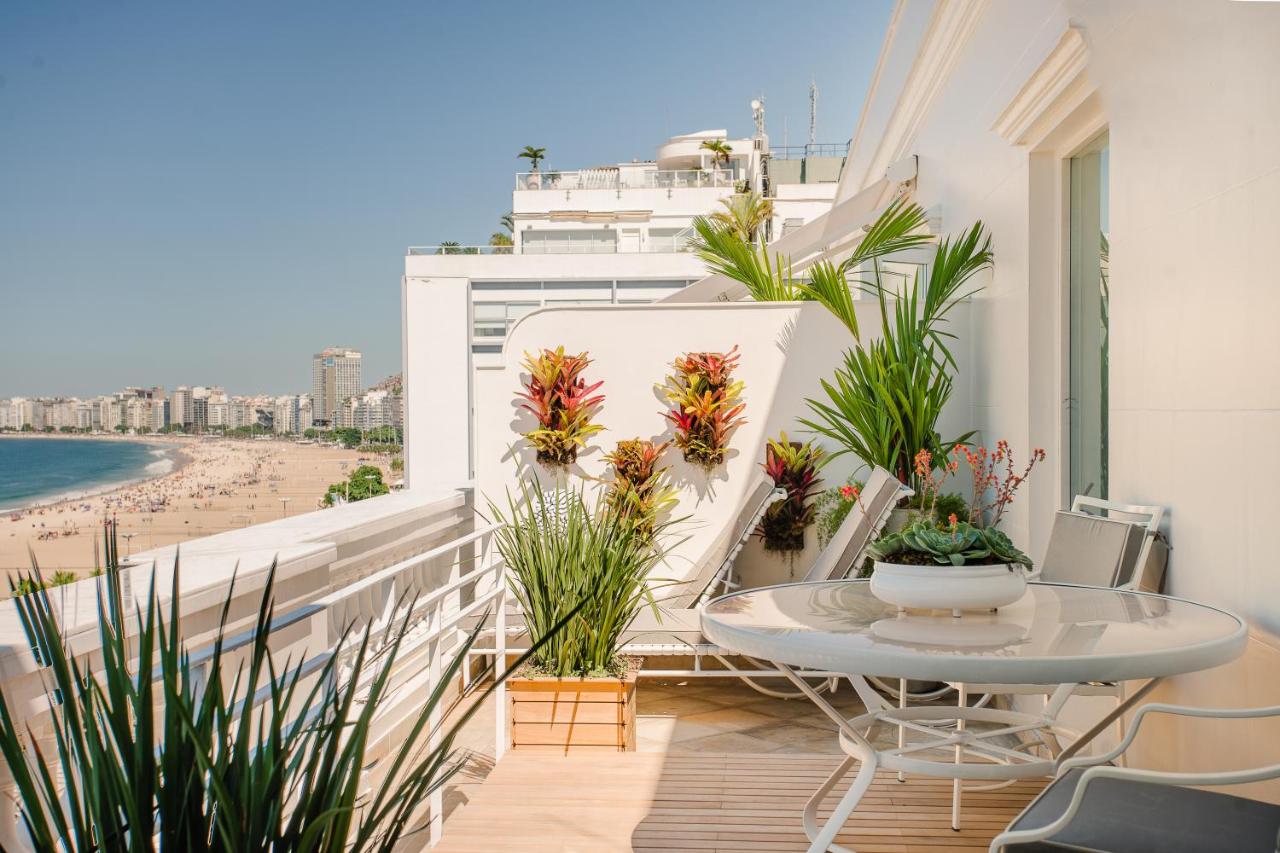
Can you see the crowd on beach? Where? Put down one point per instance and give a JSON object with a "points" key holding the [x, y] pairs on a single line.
{"points": [[216, 485]]}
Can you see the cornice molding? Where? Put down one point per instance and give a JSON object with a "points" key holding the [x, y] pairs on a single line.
{"points": [[1058, 73], [950, 27]]}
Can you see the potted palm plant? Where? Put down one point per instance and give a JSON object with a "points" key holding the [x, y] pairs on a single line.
{"points": [[577, 691], [957, 564]]}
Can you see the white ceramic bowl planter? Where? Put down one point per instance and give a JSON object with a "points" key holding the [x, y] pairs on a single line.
{"points": [[954, 588]]}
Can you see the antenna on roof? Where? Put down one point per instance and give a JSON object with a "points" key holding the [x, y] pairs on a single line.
{"points": [[813, 111]]}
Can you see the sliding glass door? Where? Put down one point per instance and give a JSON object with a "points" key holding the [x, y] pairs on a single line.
{"points": [[1090, 322]]}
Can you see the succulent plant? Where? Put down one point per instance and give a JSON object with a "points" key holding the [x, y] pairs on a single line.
{"points": [[959, 544]]}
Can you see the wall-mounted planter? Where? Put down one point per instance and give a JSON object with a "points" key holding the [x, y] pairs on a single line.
{"points": [[706, 405], [563, 403], [573, 714]]}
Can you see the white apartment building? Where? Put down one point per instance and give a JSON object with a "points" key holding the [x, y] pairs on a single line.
{"points": [[372, 410], [285, 415], [306, 413], [110, 413], [613, 235], [335, 377], [180, 405]]}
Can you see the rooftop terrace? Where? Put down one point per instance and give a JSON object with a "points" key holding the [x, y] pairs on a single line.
{"points": [[717, 767]]}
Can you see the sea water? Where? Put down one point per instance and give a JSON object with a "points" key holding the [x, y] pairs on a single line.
{"points": [[43, 470]]}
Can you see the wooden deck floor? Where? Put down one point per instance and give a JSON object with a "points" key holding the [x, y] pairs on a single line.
{"points": [[549, 803]]}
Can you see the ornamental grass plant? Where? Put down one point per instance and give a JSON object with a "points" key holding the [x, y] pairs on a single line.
{"points": [[561, 551]]}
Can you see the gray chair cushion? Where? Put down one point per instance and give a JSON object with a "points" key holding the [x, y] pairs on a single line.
{"points": [[1124, 816], [1086, 549]]}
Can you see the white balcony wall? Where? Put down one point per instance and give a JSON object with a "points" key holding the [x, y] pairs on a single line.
{"points": [[787, 348], [1186, 91]]}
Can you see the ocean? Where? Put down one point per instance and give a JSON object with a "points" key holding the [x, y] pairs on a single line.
{"points": [[42, 470]]}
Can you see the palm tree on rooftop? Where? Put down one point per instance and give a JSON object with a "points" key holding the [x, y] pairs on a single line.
{"points": [[720, 151], [744, 214], [534, 156]]}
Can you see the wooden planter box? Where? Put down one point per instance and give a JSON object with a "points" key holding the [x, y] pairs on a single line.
{"points": [[578, 714]]}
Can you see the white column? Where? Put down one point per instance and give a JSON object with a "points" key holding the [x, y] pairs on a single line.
{"points": [[437, 379]]}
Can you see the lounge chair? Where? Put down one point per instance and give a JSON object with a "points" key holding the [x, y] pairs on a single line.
{"points": [[675, 630], [1092, 806]]}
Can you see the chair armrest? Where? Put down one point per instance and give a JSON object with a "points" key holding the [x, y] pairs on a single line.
{"points": [[1155, 777], [1163, 708]]}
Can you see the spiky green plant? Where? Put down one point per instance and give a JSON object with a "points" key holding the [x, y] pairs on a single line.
{"points": [[163, 748], [560, 551], [884, 403]]}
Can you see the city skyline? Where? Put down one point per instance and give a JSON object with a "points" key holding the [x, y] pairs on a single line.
{"points": [[247, 192]]}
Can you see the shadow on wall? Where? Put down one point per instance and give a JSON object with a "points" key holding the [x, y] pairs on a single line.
{"points": [[787, 349]]}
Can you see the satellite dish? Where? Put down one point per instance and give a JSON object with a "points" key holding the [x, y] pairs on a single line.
{"points": [[756, 105]]}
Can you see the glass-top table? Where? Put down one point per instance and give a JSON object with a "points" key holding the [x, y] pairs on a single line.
{"points": [[1056, 634]]}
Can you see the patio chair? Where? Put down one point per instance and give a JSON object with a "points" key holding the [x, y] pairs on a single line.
{"points": [[675, 630], [1092, 806], [1084, 549]]}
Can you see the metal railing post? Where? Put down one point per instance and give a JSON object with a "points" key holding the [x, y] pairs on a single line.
{"points": [[500, 663], [436, 800]]}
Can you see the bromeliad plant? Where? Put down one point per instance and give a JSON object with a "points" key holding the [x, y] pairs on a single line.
{"points": [[161, 751], [794, 467], [639, 490], [563, 402], [706, 405], [560, 552]]}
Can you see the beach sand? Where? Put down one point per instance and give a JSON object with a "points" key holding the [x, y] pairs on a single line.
{"points": [[217, 485]]}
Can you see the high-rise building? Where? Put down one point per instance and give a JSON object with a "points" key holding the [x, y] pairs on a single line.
{"points": [[180, 406], [335, 378]]}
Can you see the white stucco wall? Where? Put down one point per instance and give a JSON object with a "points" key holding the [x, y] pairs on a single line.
{"points": [[1187, 91], [785, 348]]}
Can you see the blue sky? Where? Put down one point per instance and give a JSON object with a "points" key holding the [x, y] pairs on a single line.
{"points": [[208, 193]]}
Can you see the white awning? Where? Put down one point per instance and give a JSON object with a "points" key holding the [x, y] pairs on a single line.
{"points": [[836, 231]]}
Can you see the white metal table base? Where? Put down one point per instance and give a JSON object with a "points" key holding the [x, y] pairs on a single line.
{"points": [[989, 762]]}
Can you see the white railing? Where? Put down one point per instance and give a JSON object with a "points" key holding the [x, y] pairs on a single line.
{"points": [[434, 614], [658, 245], [455, 249], [614, 179]]}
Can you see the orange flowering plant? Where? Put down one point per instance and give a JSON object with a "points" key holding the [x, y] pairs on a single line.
{"points": [[994, 479]]}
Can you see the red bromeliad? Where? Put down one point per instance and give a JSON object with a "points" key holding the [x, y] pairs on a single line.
{"points": [[706, 405], [563, 403], [792, 466], [640, 489]]}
